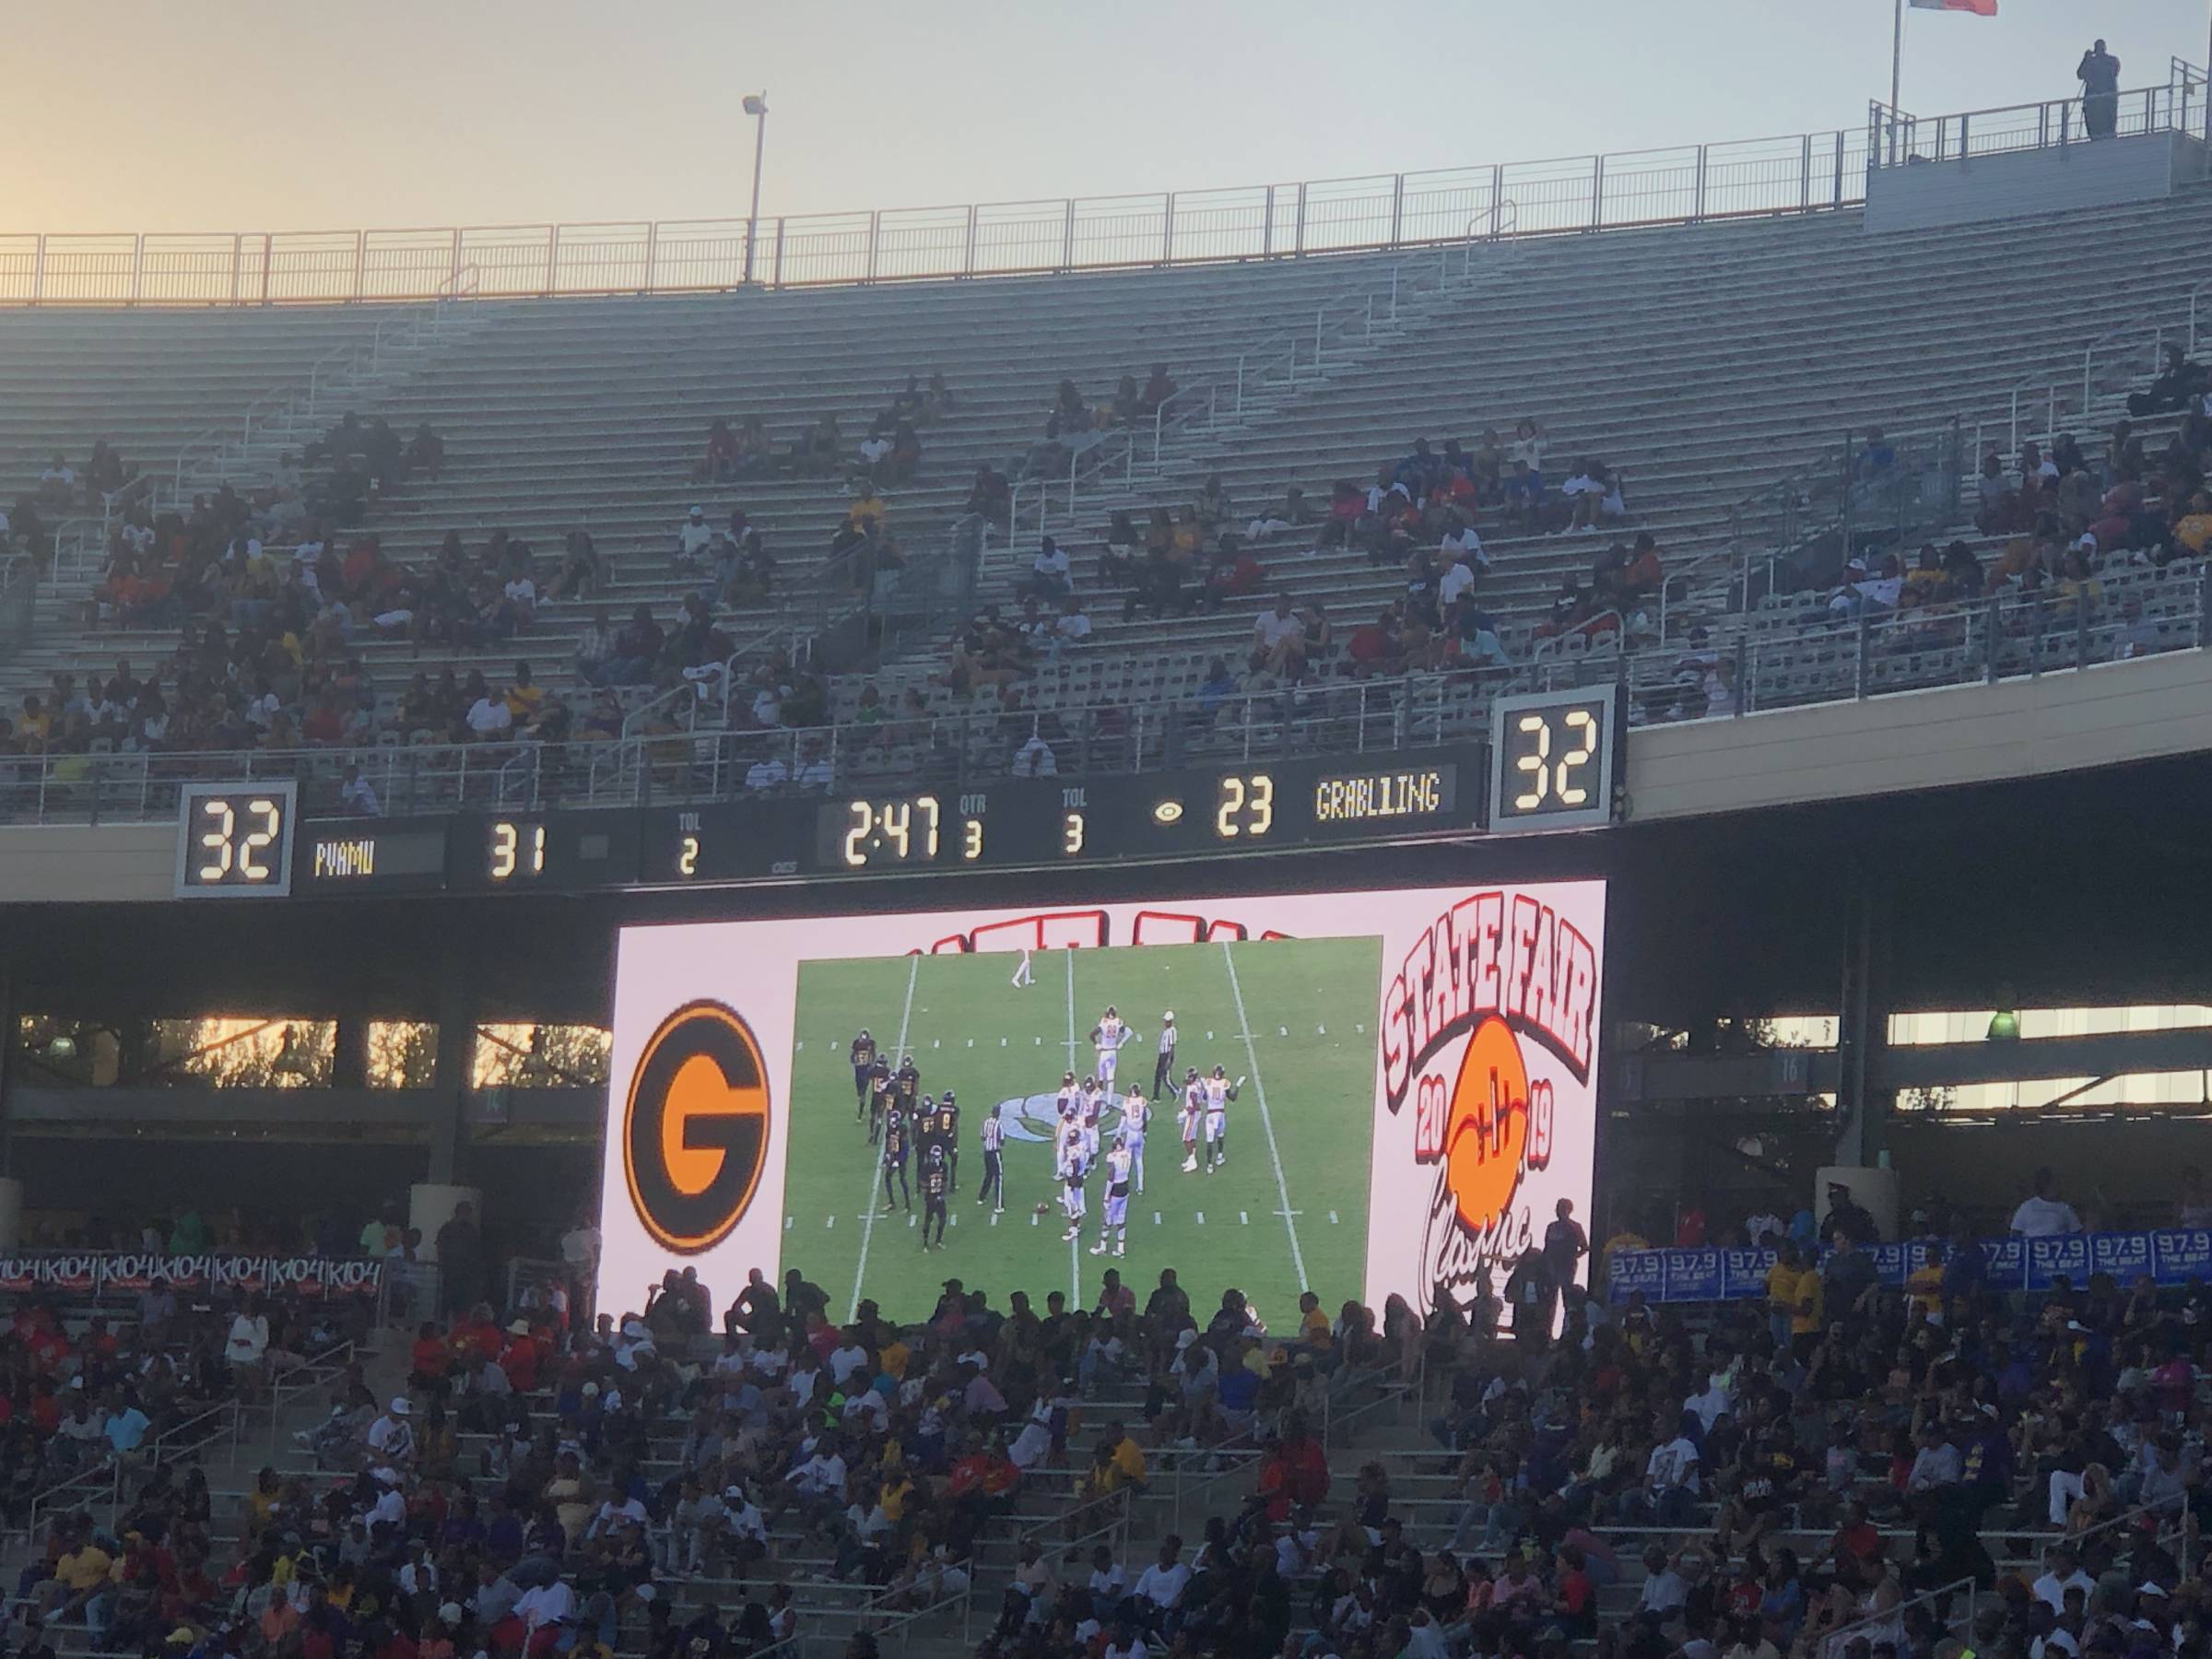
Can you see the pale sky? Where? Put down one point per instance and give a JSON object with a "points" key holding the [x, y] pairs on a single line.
{"points": [[253, 115]]}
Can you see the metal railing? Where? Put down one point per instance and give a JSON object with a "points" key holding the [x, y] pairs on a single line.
{"points": [[1840, 503], [281, 415], [104, 1483], [1876, 1626], [1898, 139], [1828, 650], [2123, 355], [844, 614], [295, 1385], [1684, 183]]}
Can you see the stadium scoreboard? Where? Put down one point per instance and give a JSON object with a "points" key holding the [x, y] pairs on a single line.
{"points": [[1555, 774]]}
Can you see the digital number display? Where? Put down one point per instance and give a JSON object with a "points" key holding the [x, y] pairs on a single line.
{"points": [[514, 850], [235, 839], [862, 833], [1552, 758], [1261, 805], [1245, 805]]}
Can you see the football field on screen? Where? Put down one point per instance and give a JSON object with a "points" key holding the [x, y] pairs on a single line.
{"points": [[1294, 1018]]}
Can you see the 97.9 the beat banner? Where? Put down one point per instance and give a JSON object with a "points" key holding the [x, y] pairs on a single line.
{"points": [[1365, 1093], [93, 1272]]}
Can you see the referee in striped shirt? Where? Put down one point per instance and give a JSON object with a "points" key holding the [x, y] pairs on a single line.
{"points": [[1164, 1069], [994, 1190]]}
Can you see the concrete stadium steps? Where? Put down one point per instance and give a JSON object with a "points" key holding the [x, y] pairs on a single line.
{"points": [[148, 380]]}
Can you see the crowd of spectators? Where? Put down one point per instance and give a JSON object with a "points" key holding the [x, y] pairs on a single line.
{"points": [[1822, 1475]]}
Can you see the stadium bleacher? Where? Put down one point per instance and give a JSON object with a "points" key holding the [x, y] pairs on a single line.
{"points": [[1702, 362]]}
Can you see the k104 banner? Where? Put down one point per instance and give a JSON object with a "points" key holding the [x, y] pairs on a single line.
{"points": [[91, 1272], [2174, 1257]]}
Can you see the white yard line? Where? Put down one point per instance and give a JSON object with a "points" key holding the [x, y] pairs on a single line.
{"points": [[868, 1227], [1075, 1245], [1259, 1089]]}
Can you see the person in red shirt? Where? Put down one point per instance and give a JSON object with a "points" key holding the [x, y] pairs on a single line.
{"points": [[1689, 1231], [519, 1359], [1574, 1597], [431, 1358]]}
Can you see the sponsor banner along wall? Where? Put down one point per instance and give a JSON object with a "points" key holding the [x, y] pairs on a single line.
{"points": [[91, 1272], [2171, 1256]]}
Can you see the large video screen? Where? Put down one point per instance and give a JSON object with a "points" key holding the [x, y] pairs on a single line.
{"points": [[1364, 1093]]}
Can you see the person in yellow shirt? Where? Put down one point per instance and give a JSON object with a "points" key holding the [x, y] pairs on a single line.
{"points": [[1119, 1462], [1314, 1324], [866, 506], [524, 695], [1794, 1297], [2193, 528], [78, 1575], [897, 1487]]}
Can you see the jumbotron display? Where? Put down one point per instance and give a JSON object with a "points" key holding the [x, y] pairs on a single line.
{"points": [[1363, 1093]]}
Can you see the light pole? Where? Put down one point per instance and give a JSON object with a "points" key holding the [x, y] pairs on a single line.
{"points": [[756, 107]]}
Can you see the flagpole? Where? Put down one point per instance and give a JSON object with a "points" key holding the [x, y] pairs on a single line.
{"points": [[1897, 60], [1897, 52]]}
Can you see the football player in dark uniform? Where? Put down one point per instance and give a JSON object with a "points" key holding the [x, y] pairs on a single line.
{"points": [[936, 1182], [882, 1092], [864, 1070], [896, 1129]]}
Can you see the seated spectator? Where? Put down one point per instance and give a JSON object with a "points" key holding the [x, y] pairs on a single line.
{"points": [[1293, 514], [1278, 641], [2178, 382], [1375, 649], [489, 718], [637, 648], [1159, 387], [1876, 459], [57, 483], [1073, 625], [720, 463], [693, 537], [990, 497], [1523, 497], [1051, 576], [1213, 507], [426, 452], [1159, 587], [1069, 415], [1118, 553], [1233, 574]]}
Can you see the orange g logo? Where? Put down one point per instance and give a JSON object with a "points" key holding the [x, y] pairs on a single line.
{"points": [[1485, 1136], [695, 1127]]}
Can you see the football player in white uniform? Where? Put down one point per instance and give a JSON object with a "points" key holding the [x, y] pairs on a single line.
{"points": [[1220, 1092], [1191, 1110], [1094, 1111], [1067, 1119], [1073, 1167], [1117, 1203], [1136, 1115], [1107, 1036]]}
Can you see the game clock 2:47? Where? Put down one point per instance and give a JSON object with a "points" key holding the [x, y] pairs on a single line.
{"points": [[1552, 760]]}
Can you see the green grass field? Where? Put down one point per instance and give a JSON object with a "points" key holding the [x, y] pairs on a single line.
{"points": [[1309, 1060]]}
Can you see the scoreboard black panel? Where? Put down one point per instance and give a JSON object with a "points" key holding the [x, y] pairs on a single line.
{"points": [[1002, 824]]}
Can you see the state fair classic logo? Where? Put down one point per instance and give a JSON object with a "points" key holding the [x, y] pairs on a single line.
{"points": [[1499, 975], [695, 1127]]}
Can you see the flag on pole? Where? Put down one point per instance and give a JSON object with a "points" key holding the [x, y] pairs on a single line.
{"points": [[1980, 8]]}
